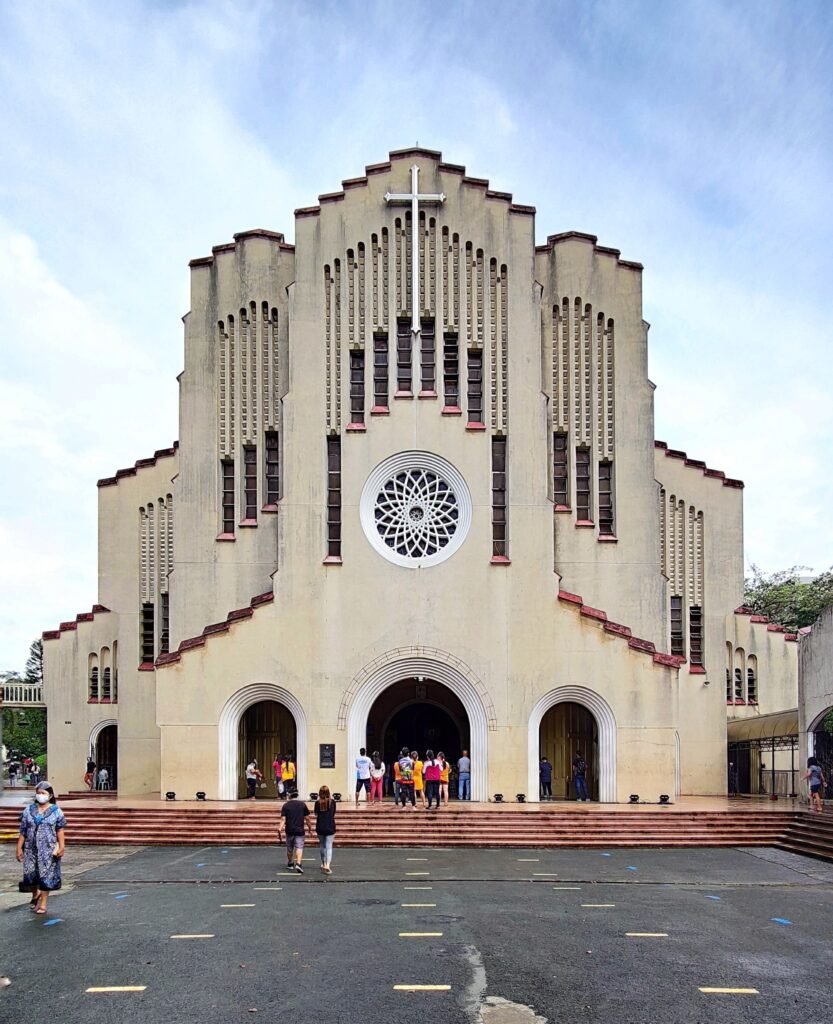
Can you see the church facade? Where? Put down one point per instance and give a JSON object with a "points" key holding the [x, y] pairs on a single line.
{"points": [[416, 500]]}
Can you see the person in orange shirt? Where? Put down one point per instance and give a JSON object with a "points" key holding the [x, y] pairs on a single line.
{"points": [[419, 789], [445, 768], [396, 779]]}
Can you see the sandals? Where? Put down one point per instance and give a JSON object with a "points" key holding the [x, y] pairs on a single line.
{"points": [[41, 910]]}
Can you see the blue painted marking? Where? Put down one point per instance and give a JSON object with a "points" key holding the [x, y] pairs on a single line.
{"points": [[631, 869], [780, 920], [223, 851], [201, 865], [712, 897], [122, 897], [55, 920]]}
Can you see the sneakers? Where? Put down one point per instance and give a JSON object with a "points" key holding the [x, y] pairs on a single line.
{"points": [[299, 869], [290, 867]]}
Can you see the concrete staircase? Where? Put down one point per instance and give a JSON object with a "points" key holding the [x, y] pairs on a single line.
{"points": [[255, 824], [810, 834]]}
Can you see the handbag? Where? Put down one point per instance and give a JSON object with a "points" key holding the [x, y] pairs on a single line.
{"points": [[281, 788]]}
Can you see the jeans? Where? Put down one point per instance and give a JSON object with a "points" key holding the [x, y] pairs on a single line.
{"points": [[581, 788], [464, 786], [546, 788], [406, 792], [432, 791], [251, 786], [325, 848]]}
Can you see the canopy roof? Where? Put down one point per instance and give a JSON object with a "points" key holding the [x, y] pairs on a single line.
{"points": [[764, 727]]}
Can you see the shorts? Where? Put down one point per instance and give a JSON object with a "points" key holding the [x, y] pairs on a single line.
{"points": [[294, 843], [815, 789], [362, 784]]}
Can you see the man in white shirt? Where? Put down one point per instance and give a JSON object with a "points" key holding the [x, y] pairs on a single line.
{"points": [[363, 765], [252, 774]]}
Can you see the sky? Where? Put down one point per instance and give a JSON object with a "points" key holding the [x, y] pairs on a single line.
{"points": [[697, 137]]}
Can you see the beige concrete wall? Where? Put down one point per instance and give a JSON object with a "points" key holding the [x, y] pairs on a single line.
{"points": [[777, 665], [815, 679]]}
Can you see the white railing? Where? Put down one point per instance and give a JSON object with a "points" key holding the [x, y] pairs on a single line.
{"points": [[23, 695]]}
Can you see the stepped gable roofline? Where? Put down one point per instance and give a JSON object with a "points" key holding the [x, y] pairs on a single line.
{"points": [[242, 236], [716, 474], [160, 453], [771, 627], [625, 633], [409, 154], [72, 624], [215, 629], [582, 236]]}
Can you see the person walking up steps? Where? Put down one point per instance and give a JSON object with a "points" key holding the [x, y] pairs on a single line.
{"points": [[325, 826], [296, 814], [377, 778], [817, 781], [579, 777], [363, 766], [406, 778], [433, 770]]}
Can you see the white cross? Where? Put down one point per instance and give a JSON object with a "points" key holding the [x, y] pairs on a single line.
{"points": [[414, 197]]}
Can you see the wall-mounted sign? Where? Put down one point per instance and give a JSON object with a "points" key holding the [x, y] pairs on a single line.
{"points": [[326, 755]]}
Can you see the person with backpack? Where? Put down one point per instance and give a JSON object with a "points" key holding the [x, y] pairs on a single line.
{"points": [[580, 777], [406, 778], [325, 826], [817, 781], [377, 777]]}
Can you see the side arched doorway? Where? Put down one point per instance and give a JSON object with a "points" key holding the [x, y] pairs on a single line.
{"points": [[266, 728], [822, 747], [419, 714], [104, 748], [567, 729]]}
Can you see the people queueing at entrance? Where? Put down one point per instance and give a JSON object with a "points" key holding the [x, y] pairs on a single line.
{"points": [[433, 771], [277, 771], [296, 814], [406, 778], [288, 774], [545, 778], [40, 846], [579, 776], [253, 776], [419, 781], [325, 827], [363, 766], [464, 777], [445, 768], [377, 778], [815, 777]]}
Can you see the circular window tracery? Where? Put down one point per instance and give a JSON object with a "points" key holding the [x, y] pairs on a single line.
{"points": [[415, 509]]}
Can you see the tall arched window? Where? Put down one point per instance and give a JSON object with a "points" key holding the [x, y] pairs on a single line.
{"points": [[105, 692], [92, 677], [752, 680]]}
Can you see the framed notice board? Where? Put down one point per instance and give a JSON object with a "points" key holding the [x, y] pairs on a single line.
{"points": [[326, 755]]}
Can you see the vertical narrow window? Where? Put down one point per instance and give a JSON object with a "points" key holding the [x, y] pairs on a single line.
{"points": [[752, 681], [93, 689], [115, 671], [677, 635], [272, 468], [106, 690], [738, 685], [583, 506], [250, 482], [728, 686], [356, 386], [499, 498], [334, 498], [228, 495], [380, 371], [404, 358], [560, 470], [695, 635], [451, 371], [428, 359], [146, 633], [475, 386], [606, 499], [165, 623]]}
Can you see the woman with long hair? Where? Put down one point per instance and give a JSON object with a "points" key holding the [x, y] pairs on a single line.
{"points": [[325, 826], [445, 768], [377, 777], [817, 781], [432, 768], [40, 846]]}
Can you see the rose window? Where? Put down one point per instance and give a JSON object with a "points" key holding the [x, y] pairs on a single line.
{"points": [[415, 509]]}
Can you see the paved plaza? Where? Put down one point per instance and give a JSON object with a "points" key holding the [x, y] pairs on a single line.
{"points": [[491, 936]]}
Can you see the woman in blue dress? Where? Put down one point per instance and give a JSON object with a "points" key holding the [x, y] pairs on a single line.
{"points": [[40, 846]]}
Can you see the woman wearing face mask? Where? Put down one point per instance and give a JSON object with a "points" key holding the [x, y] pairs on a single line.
{"points": [[40, 846]]}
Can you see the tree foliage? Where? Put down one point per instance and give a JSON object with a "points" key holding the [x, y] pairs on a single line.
{"points": [[24, 729], [785, 598]]}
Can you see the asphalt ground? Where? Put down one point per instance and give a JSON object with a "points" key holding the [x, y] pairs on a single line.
{"points": [[511, 933]]}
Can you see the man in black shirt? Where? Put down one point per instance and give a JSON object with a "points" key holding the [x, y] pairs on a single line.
{"points": [[296, 813]]}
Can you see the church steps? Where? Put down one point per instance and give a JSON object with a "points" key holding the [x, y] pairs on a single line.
{"points": [[811, 834]]}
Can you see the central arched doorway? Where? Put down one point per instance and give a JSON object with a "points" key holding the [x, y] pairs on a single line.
{"points": [[266, 728], [104, 750], [568, 728], [419, 714]]}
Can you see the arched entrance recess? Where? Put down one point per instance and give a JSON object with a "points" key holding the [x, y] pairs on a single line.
{"points": [[266, 728], [104, 749], [566, 729], [605, 723], [820, 745], [228, 729], [372, 682]]}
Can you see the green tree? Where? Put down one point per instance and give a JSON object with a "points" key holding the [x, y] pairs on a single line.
{"points": [[24, 729], [785, 599], [34, 663]]}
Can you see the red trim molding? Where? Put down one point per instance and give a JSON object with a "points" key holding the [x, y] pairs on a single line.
{"points": [[452, 410], [214, 630], [71, 625], [160, 453], [715, 474]]}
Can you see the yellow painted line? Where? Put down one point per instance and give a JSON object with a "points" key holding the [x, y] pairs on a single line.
{"points": [[592, 906], [647, 935], [416, 858], [529, 860], [420, 935], [422, 988], [268, 888], [566, 888], [413, 874], [415, 888], [118, 988], [417, 904], [205, 936], [238, 904], [730, 991]]}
